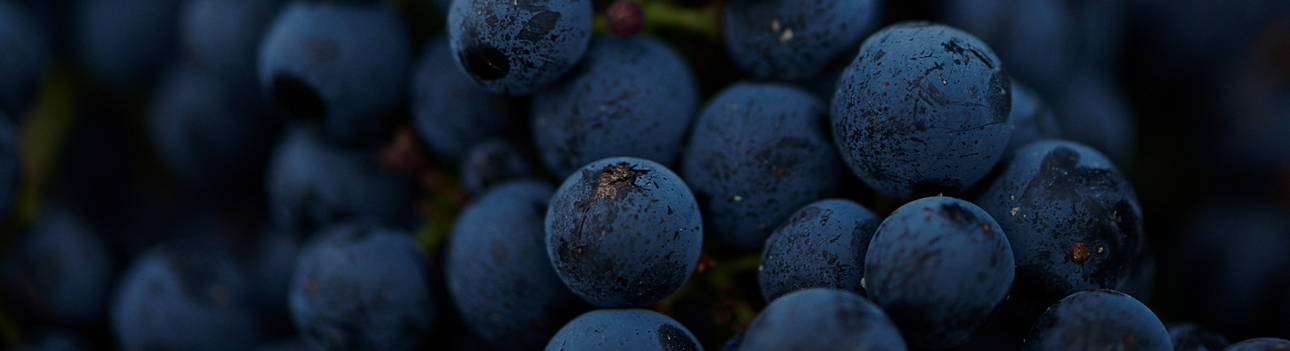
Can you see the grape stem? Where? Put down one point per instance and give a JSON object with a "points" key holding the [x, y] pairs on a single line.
{"points": [[662, 15]]}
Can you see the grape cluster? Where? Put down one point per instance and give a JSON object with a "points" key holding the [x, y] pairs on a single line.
{"points": [[670, 175]]}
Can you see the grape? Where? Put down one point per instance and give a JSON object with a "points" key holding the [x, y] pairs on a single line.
{"points": [[231, 133], [223, 37], [791, 40], [26, 54], [498, 274], [822, 319], [183, 297], [361, 287], [623, 231], [449, 111], [1189, 337], [339, 65], [302, 199], [626, 18], [122, 44], [515, 47], [1030, 120], [1099, 320], [1260, 344], [215, 142], [938, 266], [629, 97], [922, 110], [823, 244], [626, 330], [1092, 111], [490, 162], [757, 153], [1036, 39], [61, 272], [1073, 221]]}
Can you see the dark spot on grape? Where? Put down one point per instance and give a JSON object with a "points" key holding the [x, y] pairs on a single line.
{"points": [[1001, 103], [959, 215], [1079, 252], [538, 26], [614, 179], [486, 62], [298, 98]]}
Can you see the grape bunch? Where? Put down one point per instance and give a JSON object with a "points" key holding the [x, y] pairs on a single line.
{"points": [[668, 175]]}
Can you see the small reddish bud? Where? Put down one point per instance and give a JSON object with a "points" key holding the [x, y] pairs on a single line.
{"points": [[626, 18]]}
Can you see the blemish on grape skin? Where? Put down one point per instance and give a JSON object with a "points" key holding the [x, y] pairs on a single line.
{"points": [[1080, 252]]}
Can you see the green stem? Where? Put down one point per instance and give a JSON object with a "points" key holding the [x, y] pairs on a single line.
{"points": [[662, 15]]}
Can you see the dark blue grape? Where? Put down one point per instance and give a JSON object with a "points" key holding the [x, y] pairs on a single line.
{"points": [[450, 112], [341, 65], [923, 110], [629, 97], [1038, 40], [1030, 120], [1099, 320], [1260, 344], [498, 273], [1091, 110], [1190, 337], [515, 47], [757, 153], [822, 245], [223, 37], [184, 297], [362, 287], [122, 44], [211, 139], [938, 266], [625, 330], [624, 231], [822, 319], [791, 40], [61, 271], [312, 183], [490, 162], [1073, 221], [24, 55]]}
